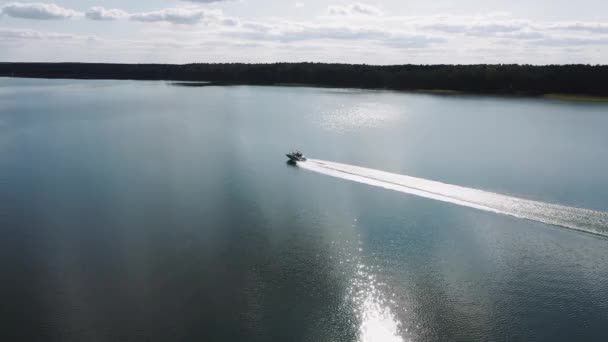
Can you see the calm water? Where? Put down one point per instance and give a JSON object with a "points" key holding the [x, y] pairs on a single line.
{"points": [[136, 211]]}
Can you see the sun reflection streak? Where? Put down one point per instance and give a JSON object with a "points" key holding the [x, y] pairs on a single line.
{"points": [[373, 310], [376, 320]]}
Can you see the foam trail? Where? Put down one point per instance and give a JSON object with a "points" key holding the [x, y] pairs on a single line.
{"points": [[569, 217]]}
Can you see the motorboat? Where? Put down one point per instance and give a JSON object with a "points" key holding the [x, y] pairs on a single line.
{"points": [[296, 156]]}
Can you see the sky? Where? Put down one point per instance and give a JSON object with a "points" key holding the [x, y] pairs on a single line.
{"points": [[264, 31]]}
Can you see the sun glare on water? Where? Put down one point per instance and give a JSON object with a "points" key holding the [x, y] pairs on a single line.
{"points": [[376, 320], [362, 115]]}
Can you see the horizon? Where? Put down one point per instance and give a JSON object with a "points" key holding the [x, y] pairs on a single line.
{"points": [[269, 31]]}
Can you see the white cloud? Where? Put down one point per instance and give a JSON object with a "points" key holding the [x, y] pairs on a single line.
{"points": [[523, 35], [474, 26], [353, 33], [183, 15], [299, 4], [228, 21], [37, 10], [579, 26], [9, 34], [169, 44], [100, 13], [292, 32], [356, 9], [572, 41], [504, 27]]}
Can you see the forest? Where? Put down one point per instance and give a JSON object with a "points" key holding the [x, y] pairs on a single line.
{"points": [[491, 79]]}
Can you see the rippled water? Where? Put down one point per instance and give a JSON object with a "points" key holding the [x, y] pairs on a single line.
{"points": [[139, 211]]}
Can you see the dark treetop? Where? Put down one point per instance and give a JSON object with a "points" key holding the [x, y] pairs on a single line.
{"points": [[497, 79]]}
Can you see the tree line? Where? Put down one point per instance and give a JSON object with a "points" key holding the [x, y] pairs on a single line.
{"points": [[482, 78]]}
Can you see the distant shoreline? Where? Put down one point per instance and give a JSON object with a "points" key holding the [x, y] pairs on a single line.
{"points": [[577, 98], [557, 82], [199, 84]]}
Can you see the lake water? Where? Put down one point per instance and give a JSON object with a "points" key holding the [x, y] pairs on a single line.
{"points": [[145, 211]]}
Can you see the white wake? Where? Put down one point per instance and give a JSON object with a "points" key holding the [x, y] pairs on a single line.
{"points": [[569, 217]]}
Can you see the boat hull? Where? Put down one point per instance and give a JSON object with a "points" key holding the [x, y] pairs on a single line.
{"points": [[295, 158]]}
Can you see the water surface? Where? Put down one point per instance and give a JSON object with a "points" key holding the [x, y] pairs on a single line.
{"points": [[139, 211]]}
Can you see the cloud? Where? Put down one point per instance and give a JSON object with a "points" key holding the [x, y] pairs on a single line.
{"points": [[523, 35], [169, 44], [572, 41], [228, 21], [100, 13], [294, 32], [9, 34], [356, 9], [413, 41], [37, 10], [473, 26], [353, 33], [491, 28], [184, 15], [499, 27], [578, 26]]}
